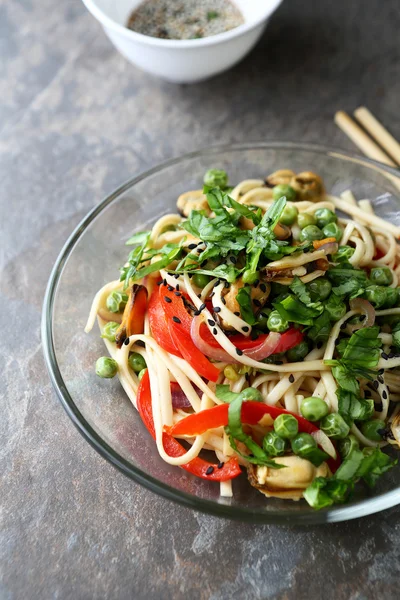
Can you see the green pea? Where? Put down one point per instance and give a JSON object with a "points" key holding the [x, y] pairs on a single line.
{"points": [[297, 353], [335, 308], [396, 336], [373, 430], [142, 372], [319, 288], [376, 294], [334, 426], [276, 322], [313, 408], [252, 394], [347, 445], [262, 319], [274, 445], [201, 280], [305, 219], [136, 362], [311, 233], [391, 297], [324, 216], [216, 178], [116, 302], [286, 426], [106, 367], [343, 255], [333, 230], [231, 373], [381, 276], [250, 277], [284, 189], [289, 215], [109, 331], [302, 442]]}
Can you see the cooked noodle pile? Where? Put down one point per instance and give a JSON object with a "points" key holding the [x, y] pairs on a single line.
{"points": [[264, 288]]}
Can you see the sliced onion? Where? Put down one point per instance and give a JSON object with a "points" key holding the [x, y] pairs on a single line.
{"points": [[365, 308], [180, 400], [106, 315], [329, 248], [265, 349], [322, 440], [215, 353]]}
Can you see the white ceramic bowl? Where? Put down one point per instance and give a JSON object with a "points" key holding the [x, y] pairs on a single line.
{"points": [[182, 61]]}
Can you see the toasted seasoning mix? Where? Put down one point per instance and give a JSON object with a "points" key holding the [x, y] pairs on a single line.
{"points": [[184, 19]]}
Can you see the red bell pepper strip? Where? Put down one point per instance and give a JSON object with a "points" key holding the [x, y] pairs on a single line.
{"points": [[158, 325], [173, 306], [290, 338], [197, 466], [192, 354], [252, 412]]}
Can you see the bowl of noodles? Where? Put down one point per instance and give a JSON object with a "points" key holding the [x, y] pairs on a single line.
{"points": [[225, 330]]}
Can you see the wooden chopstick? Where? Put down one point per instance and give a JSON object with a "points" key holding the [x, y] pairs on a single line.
{"points": [[378, 131], [361, 139]]}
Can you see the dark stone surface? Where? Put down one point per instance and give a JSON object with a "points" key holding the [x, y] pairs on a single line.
{"points": [[77, 120]]}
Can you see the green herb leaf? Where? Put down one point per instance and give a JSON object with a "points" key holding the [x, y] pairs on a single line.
{"points": [[348, 282], [353, 408], [224, 393], [295, 311], [300, 290], [363, 348], [138, 238], [243, 298]]}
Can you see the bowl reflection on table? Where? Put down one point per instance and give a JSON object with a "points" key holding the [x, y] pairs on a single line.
{"points": [[93, 255]]}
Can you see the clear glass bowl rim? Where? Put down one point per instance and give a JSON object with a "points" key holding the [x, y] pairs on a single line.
{"points": [[334, 514]]}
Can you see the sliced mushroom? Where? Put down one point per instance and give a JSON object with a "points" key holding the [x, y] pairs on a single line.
{"points": [[289, 482], [283, 176], [282, 232], [259, 295], [308, 186], [193, 200], [134, 313]]}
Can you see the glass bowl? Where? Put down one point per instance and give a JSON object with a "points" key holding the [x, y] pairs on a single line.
{"points": [[92, 256]]}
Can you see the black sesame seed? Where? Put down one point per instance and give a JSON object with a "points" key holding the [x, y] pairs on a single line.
{"points": [[233, 260], [254, 335], [178, 294], [203, 264], [196, 313], [391, 355], [380, 379], [165, 282], [170, 288], [159, 282], [199, 295], [126, 342], [367, 394], [376, 384], [247, 376], [362, 317], [176, 275], [223, 300], [210, 470], [319, 345], [217, 309], [384, 395], [220, 465], [381, 371], [202, 307], [384, 356], [227, 284], [263, 287], [239, 352], [237, 313], [167, 299], [176, 319], [343, 326], [177, 287], [257, 302], [215, 331], [211, 322], [192, 246], [337, 341], [245, 329], [291, 378]]}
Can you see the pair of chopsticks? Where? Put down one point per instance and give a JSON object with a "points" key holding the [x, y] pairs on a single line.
{"points": [[381, 146]]}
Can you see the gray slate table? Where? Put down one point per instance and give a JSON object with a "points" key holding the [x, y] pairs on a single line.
{"points": [[76, 121]]}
